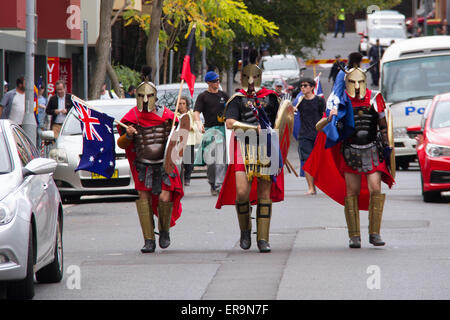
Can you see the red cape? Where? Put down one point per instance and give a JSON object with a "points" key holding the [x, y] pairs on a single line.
{"points": [[323, 164], [263, 92], [148, 119], [227, 195]]}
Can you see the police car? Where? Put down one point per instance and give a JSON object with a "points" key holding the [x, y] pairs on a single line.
{"points": [[412, 73]]}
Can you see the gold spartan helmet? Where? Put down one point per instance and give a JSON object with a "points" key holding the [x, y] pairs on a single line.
{"points": [[251, 74], [146, 96], [355, 78]]}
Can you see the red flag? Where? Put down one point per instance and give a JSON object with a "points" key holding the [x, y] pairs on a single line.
{"points": [[188, 63]]}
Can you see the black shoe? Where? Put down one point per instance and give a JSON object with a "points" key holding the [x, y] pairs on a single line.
{"points": [[246, 240], [149, 246], [375, 239], [164, 239], [263, 246], [354, 242], [214, 192], [187, 183]]}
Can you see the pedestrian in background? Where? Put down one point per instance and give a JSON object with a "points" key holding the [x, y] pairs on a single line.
{"points": [[107, 94], [131, 93], [335, 68], [58, 106], [340, 23], [42, 105], [375, 54], [12, 106], [211, 103], [194, 138], [310, 110]]}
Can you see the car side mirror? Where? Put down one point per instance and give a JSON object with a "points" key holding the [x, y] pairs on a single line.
{"points": [[39, 166], [414, 130], [48, 135]]}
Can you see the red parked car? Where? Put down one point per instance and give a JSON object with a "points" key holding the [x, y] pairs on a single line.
{"points": [[433, 148]]}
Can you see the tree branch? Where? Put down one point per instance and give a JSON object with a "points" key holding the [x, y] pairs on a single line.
{"points": [[126, 4]]}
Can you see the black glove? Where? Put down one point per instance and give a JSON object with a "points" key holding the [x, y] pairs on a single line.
{"points": [[387, 155]]}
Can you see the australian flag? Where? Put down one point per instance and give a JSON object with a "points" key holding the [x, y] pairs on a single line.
{"points": [[98, 141]]}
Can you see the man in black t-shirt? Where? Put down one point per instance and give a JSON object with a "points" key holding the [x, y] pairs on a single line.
{"points": [[211, 103], [310, 109]]}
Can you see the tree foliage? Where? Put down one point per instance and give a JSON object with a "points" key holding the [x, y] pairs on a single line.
{"points": [[303, 22]]}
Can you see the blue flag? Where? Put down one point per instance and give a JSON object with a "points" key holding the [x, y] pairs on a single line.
{"points": [[342, 125], [99, 155]]}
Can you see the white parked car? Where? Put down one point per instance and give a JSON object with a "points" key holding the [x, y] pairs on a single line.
{"points": [[31, 216], [285, 66], [69, 147]]}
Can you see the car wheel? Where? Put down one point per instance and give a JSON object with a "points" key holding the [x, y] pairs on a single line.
{"points": [[430, 196], [24, 289], [54, 271]]}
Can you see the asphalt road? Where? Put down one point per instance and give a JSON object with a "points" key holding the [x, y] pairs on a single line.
{"points": [[310, 258]]}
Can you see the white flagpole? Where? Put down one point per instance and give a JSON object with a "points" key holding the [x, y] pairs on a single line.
{"points": [[74, 97]]}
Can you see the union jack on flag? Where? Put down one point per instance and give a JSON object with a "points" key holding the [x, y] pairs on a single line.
{"points": [[98, 140]]}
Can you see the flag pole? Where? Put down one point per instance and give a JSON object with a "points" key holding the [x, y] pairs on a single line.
{"points": [[74, 97], [178, 102]]}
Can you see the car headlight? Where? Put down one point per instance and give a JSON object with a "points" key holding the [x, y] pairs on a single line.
{"points": [[434, 150], [400, 132], [59, 155], [7, 210]]}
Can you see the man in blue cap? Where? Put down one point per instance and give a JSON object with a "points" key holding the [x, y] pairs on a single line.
{"points": [[211, 103]]}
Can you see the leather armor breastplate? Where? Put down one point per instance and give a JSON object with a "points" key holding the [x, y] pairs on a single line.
{"points": [[366, 121], [246, 112], [150, 142]]}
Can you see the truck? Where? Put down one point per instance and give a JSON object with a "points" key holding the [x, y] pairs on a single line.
{"points": [[385, 25], [412, 73]]}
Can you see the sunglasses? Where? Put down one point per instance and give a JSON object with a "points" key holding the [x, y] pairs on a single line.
{"points": [[214, 81], [304, 85]]}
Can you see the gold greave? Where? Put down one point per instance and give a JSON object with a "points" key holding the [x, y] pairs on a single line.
{"points": [[352, 216], [376, 206], [164, 215], [243, 210], [263, 215], [144, 209]]}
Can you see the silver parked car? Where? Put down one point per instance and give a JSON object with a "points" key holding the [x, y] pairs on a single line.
{"points": [[31, 216], [69, 147], [285, 66]]}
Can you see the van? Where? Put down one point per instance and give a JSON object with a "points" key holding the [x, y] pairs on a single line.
{"points": [[412, 73], [386, 25]]}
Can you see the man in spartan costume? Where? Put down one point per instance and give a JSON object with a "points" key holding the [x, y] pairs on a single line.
{"points": [[354, 152], [152, 162], [254, 174]]}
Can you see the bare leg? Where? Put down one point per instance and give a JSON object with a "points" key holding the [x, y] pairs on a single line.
{"points": [[311, 186], [352, 183]]}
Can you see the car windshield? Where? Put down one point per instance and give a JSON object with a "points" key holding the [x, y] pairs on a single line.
{"points": [[168, 97], [441, 115], [5, 161], [415, 78], [282, 63], [72, 124], [396, 33]]}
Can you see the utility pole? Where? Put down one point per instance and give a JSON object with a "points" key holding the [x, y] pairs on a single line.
{"points": [[29, 121], [85, 58]]}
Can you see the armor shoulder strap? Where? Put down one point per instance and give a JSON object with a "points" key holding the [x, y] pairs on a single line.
{"points": [[237, 94]]}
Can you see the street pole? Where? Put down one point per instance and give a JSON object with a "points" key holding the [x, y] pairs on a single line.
{"points": [[230, 73], [170, 65], [85, 58], [29, 121], [414, 14], [157, 63], [203, 57]]}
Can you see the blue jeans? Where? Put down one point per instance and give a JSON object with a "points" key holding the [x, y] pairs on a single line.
{"points": [[340, 25]]}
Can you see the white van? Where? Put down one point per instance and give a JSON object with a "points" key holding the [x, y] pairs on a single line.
{"points": [[412, 73]]}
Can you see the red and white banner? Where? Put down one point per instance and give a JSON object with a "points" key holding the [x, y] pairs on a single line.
{"points": [[58, 69]]}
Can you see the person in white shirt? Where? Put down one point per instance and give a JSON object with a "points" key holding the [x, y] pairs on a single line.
{"points": [[107, 94], [58, 106], [12, 106]]}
